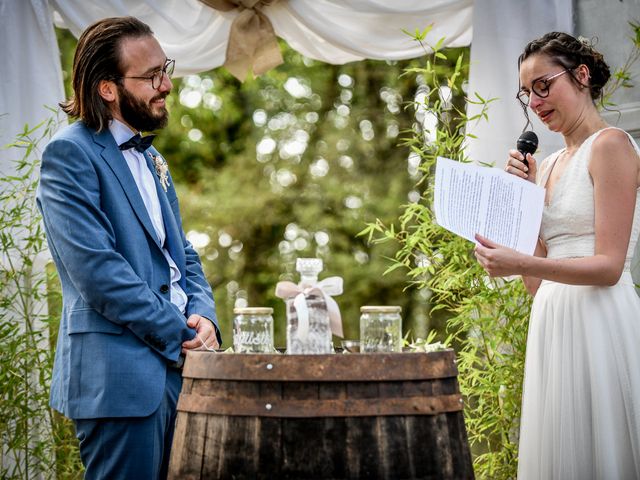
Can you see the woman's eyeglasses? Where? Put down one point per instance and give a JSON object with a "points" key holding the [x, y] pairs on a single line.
{"points": [[540, 87]]}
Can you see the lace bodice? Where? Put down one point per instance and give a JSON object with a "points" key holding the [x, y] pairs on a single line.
{"points": [[568, 226]]}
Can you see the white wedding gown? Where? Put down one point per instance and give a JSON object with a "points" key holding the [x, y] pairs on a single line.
{"points": [[581, 395]]}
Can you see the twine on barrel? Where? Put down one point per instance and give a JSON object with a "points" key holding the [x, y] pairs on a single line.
{"points": [[328, 287], [252, 44]]}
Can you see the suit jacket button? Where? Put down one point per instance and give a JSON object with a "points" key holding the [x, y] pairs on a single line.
{"points": [[164, 288]]}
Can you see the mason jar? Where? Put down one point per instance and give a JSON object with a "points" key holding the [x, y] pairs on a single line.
{"points": [[380, 329], [253, 330]]}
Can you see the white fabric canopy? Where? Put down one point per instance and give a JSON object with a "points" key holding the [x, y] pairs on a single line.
{"points": [[332, 31], [501, 29]]}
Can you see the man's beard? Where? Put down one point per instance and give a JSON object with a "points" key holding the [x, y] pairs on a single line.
{"points": [[139, 114]]}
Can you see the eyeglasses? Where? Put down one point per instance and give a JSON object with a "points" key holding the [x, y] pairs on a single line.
{"points": [[540, 87], [157, 76]]}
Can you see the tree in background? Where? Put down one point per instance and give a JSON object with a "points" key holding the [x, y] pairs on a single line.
{"points": [[293, 164]]}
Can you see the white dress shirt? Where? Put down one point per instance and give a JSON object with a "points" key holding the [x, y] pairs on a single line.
{"points": [[147, 187]]}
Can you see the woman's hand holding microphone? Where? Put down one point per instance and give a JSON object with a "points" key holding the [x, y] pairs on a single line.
{"points": [[516, 165]]}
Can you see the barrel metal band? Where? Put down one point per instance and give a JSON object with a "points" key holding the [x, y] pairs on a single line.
{"points": [[311, 408]]}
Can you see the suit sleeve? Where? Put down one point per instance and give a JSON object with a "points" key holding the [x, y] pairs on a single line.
{"points": [[83, 242], [199, 295]]}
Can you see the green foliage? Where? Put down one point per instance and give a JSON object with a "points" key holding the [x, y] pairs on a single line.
{"points": [[621, 77], [485, 318], [292, 164], [35, 440]]}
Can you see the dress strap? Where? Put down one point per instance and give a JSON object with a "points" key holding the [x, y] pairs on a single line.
{"points": [[548, 168]]}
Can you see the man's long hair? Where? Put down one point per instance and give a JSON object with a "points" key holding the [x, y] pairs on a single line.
{"points": [[98, 57]]}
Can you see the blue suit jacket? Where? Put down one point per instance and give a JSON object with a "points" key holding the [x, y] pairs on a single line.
{"points": [[119, 331]]}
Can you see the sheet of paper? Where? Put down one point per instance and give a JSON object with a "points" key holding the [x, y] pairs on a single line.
{"points": [[471, 199]]}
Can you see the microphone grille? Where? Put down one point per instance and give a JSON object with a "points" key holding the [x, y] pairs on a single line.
{"points": [[527, 142]]}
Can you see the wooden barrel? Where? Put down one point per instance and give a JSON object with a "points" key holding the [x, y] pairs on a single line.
{"points": [[393, 416]]}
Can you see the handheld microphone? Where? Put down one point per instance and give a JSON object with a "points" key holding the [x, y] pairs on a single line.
{"points": [[527, 143]]}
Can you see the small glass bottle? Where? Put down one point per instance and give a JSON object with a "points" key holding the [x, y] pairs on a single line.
{"points": [[318, 336], [253, 330], [380, 329]]}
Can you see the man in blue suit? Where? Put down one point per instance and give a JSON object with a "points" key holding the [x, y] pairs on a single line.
{"points": [[135, 298]]}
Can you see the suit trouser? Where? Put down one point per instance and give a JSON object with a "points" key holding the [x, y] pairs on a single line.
{"points": [[135, 448]]}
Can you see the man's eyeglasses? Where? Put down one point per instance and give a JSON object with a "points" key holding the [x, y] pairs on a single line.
{"points": [[157, 77], [540, 87]]}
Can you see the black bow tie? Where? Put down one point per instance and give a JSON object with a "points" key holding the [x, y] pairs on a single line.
{"points": [[138, 142]]}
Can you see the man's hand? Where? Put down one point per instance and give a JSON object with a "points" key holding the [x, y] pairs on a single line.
{"points": [[205, 338]]}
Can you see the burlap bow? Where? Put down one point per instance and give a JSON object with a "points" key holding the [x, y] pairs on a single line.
{"points": [[252, 44], [328, 287]]}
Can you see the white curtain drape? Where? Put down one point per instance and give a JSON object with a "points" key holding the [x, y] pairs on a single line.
{"points": [[31, 72], [332, 31], [31, 79], [501, 29]]}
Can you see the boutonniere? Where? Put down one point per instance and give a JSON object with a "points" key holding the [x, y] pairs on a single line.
{"points": [[162, 170]]}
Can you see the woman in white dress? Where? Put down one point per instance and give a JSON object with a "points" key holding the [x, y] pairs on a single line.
{"points": [[581, 397]]}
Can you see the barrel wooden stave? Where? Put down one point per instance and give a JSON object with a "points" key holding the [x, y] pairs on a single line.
{"points": [[323, 447], [396, 447]]}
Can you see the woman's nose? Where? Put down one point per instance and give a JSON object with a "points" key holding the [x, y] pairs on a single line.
{"points": [[534, 101]]}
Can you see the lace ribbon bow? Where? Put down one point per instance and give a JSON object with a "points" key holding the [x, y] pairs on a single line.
{"points": [[328, 287]]}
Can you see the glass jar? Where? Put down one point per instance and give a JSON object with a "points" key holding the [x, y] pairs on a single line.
{"points": [[315, 337], [253, 330], [380, 329]]}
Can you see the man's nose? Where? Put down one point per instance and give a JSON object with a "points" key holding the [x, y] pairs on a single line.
{"points": [[166, 85]]}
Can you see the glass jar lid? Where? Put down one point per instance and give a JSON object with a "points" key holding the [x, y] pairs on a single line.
{"points": [[309, 266], [253, 310], [380, 309]]}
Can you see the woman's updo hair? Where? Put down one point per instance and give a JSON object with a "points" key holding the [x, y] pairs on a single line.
{"points": [[569, 52]]}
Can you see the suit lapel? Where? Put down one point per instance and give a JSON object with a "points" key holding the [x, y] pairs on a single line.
{"points": [[114, 158], [174, 238]]}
